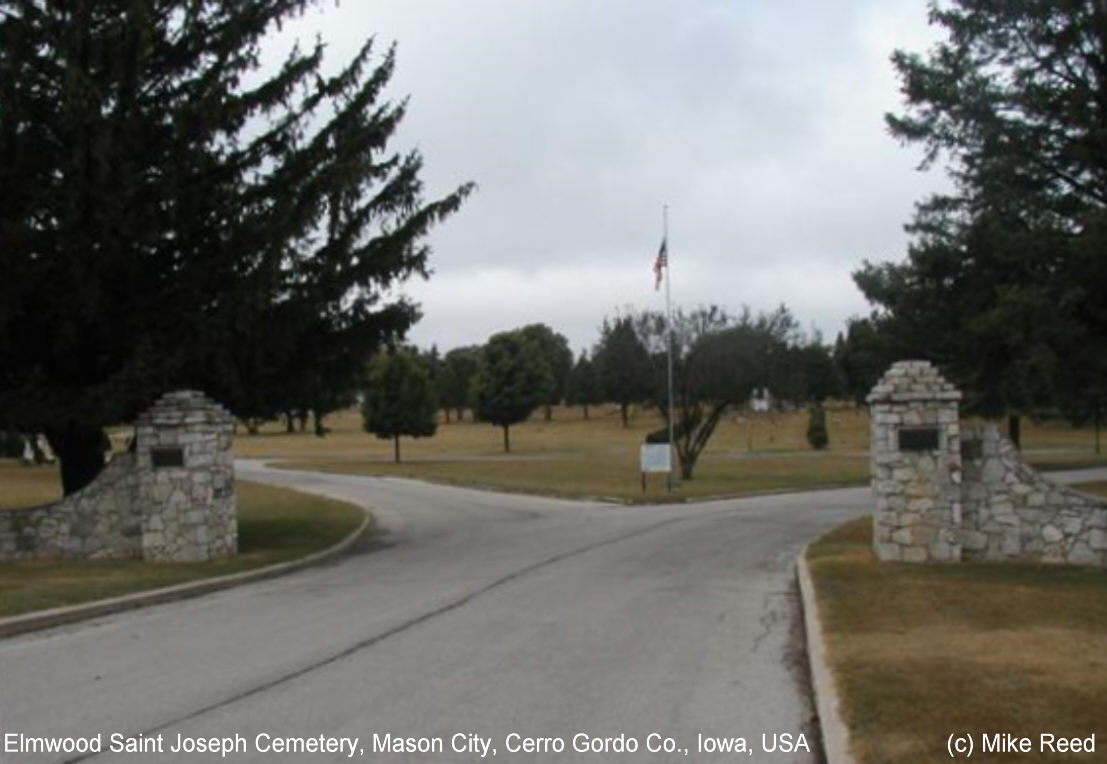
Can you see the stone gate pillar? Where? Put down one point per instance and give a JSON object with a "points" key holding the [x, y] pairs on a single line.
{"points": [[184, 483], [916, 465]]}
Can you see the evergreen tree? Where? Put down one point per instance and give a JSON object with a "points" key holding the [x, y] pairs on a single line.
{"points": [[1007, 270], [434, 365], [399, 399], [817, 435], [986, 306], [862, 356], [168, 218], [584, 386], [511, 382], [1014, 98], [806, 374], [622, 365], [459, 366]]}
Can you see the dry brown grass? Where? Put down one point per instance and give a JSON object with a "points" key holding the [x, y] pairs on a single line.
{"points": [[27, 486], [614, 475], [570, 456], [920, 652], [568, 431]]}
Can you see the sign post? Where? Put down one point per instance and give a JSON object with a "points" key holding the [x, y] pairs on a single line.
{"points": [[655, 457]]}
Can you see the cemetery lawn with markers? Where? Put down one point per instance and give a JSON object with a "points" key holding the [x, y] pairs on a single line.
{"points": [[274, 525], [576, 458], [572, 457], [920, 652]]}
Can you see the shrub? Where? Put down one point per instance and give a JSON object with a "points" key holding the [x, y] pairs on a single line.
{"points": [[816, 427]]}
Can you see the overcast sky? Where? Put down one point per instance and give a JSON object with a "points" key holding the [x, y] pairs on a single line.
{"points": [[759, 122]]}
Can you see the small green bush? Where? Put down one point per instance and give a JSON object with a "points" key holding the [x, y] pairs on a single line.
{"points": [[816, 427]]}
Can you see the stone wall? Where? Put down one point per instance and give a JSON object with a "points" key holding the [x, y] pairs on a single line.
{"points": [[916, 464], [1011, 512], [946, 492], [172, 499], [97, 523]]}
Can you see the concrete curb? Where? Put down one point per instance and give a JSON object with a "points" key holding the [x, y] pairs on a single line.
{"points": [[45, 619], [835, 732]]}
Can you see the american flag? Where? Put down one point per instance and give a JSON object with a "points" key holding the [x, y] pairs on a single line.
{"points": [[660, 263]]}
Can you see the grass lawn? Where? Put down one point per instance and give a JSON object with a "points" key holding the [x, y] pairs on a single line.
{"points": [[614, 474], [573, 457], [920, 652], [569, 456], [274, 525], [27, 486]]}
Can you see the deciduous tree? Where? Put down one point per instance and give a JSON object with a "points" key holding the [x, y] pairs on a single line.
{"points": [[399, 399], [718, 362], [553, 349], [511, 382]]}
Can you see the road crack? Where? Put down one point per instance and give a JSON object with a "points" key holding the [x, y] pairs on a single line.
{"points": [[770, 616], [369, 642]]}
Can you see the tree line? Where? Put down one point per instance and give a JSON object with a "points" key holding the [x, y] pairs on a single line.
{"points": [[171, 216], [1004, 278], [1005, 275], [719, 360]]}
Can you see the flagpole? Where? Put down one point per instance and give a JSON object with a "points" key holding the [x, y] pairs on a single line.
{"points": [[669, 322]]}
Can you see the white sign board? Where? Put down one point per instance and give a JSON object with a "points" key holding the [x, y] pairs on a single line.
{"points": [[655, 457]]}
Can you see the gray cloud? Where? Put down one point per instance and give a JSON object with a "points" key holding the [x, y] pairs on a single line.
{"points": [[760, 123]]}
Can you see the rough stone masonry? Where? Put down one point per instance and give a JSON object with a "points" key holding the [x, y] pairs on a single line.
{"points": [[947, 492], [171, 499]]}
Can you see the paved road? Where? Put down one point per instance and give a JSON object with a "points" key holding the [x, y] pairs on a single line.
{"points": [[484, 614]]}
